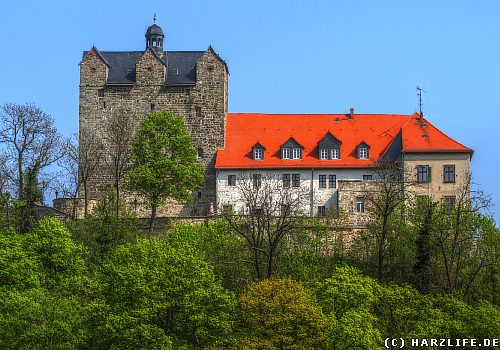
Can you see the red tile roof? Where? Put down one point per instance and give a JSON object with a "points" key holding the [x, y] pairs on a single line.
{"points": [[244, 130]]}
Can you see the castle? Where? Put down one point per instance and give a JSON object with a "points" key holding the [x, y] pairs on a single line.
{"points": [[191, 84], [330, 156]]}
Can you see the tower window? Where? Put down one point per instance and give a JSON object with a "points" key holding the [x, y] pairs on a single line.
{"points": [[197, 112], [360, 204], [104, 105], [152, 106], [100, 93]]}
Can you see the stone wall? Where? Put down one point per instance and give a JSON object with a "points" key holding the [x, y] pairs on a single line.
{"points": [[207, 132]]}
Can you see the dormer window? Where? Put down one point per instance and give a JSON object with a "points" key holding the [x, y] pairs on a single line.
{"points": [[335, 153], [363, 151], [258, 152], [329, 147], [291, 150], [286, 153]]}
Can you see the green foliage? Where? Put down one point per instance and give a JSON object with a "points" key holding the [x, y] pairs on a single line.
{"points": [[38, 319], [61, 259], [18, 269], [220, 247], [163, 160], [160, 289], [102, 231], [348, 298], [278, 314]]}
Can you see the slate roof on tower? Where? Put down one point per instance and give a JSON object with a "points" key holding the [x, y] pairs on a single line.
{"points": [[122, 66], [389, 135]]}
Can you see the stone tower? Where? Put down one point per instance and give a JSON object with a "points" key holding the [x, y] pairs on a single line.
{"points": [[191, 84]]}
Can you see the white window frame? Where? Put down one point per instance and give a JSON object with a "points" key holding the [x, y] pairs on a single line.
{"points": [[286, 153], [363, 153], [296, 153], [360, 205], [258, 154], [335, 153], [323, 153]]}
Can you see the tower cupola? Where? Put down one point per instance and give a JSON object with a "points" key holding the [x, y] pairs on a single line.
{"points": [[154, 37]]}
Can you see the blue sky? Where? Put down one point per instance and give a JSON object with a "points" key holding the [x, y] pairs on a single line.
{"points": [[284, 56]]}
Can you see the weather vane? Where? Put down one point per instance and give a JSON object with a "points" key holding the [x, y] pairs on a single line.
{"points": [[154, 19]]}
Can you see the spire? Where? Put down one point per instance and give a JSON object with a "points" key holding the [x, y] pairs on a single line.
{"points": [[154, 37]]}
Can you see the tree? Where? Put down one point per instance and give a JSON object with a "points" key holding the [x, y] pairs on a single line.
{"points": [[388, 194], [163, 162], [90, 157], [279, 314], [157, 291], [271, 214], [118, 135], [30, 138]]}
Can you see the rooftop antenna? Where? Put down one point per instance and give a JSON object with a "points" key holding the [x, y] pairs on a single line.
{"points": [[419, 94]]}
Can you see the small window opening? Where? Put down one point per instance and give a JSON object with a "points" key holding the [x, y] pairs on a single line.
{"points": [[176, 71], [100, 93], [197, 112], [152, 106]]}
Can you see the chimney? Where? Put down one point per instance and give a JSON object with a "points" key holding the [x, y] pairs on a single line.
{"points": [[351, 113]]}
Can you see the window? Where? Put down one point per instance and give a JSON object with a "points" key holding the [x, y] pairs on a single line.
{"points": [[295, 180], [256, 211], [197, 112], [286, 153], [329, 153], [360, 204], [323, 154], [152, 106], [257, 180], [286, 180], [322, 181], [321, 210], [449, 201], [363, 153], [199, 194], [231, 180], [296, 153], [100, 93], [367, 177], [258, 154], [176, 71], [423, 173], [332, 181], [335, 153], [104, 105], [449, 173]]}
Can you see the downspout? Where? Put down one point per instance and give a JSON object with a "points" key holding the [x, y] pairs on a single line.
{"points": [[311, 209], [216, 204]]}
